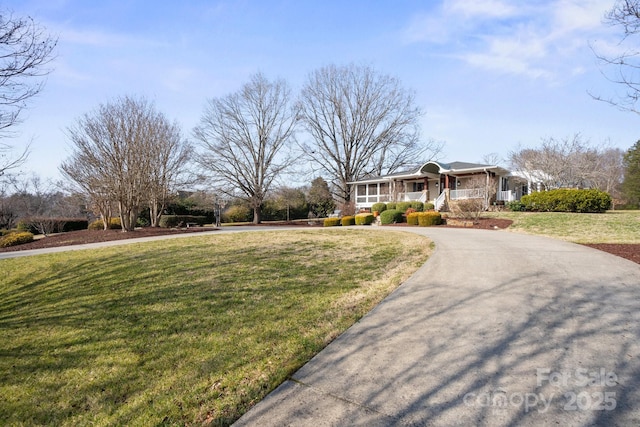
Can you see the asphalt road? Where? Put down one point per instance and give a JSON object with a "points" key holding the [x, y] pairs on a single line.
{"points": [[496, 329]]}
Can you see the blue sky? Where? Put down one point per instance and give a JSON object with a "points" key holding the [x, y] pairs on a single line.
{"points": [[490, 75]]}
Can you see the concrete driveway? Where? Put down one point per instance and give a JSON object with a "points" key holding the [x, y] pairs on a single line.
{"points": [[496, 329]]}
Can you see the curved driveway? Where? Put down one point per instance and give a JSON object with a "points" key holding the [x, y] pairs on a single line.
{"points": [[496, 329]]}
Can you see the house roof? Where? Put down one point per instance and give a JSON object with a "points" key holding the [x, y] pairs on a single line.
{"points": [[437, 168]]}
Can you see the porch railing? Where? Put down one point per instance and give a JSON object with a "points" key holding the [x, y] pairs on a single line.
{"points": [[417, 196], [468, 193], [506, 196], [439, 201]]}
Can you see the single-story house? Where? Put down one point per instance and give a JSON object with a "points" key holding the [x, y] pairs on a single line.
{"points": [[438, 183]]}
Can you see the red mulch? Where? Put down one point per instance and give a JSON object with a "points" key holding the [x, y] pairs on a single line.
{"points": [[628, 251]]}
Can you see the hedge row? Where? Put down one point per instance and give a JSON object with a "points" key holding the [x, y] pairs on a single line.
{"points": [[348, 220], [331, 222], [56, 225], [567, 200], [401, 206], [168, 221]]}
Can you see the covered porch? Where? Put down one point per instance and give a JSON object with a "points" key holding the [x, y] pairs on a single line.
{"points": [[438, 183]]}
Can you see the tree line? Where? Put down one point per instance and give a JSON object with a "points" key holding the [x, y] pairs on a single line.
{"points": [[346, 123], [356, 121]]}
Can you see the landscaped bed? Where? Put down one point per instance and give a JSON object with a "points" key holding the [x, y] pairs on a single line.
{"points": [[186, 331]]}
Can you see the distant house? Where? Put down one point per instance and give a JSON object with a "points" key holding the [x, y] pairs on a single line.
{"points": [[438, 183]]}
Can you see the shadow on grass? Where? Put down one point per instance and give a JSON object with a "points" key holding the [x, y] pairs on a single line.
{"points": [[164, 334]]}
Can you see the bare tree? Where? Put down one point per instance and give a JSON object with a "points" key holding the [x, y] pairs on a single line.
{"points": [[608, 173], [361, 123], [245, 137], [25, 50], [623, 68], [125, 152], [42, 205], [559, 163], [169, 155]]}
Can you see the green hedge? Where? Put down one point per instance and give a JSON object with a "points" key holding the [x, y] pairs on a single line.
{"points": [[379, 207], [567, 200], [429, 206], [392, 216], [391, 205], [331, 222], [403, 206], [418, 206], [17, 238], [365, 218], [348, 220], [168, 221]]}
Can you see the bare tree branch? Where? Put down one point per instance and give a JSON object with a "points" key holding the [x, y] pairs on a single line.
{"points": [[246, 138], [25, 50], [126, 153], [361, 123]]}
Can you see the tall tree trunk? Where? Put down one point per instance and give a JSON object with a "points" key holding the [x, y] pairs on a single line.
{"points": [[257, 215]]}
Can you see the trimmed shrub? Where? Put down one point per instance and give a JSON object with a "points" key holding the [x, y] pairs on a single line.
{"points": [[348, 220], [114, 224], [391, 216], [391, 205], [409, 211], [75, 224], [169, 221], [380, 207], [516, 206], [17, 238], [567, 200], [331, 222], [237, 213], [47, 225], [403, 206], [412, 218], [426, 219], [365, 218], [429, 206], [418, 206]]}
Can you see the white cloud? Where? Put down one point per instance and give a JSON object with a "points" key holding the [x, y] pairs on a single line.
{"points": [[480, 9], [539, 40]]}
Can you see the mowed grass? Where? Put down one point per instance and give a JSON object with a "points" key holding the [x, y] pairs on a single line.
{"points": [[188, 331], [608, 227]]}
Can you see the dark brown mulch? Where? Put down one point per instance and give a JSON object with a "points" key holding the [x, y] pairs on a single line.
{"points": [[628, 251], [94, 236]]}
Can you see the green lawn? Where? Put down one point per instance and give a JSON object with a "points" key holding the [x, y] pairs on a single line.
{"points": [[185, 331], [609, 227]]}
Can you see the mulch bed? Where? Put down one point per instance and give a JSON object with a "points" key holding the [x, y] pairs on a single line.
{"points": [[82, 237], [628, 251]]}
